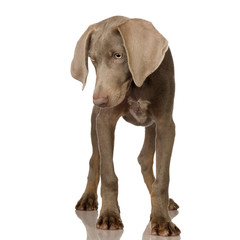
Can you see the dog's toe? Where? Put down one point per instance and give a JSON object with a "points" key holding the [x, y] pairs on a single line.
{"points": [[109, 221], [164, 229], [88, 202], [172, 205]]}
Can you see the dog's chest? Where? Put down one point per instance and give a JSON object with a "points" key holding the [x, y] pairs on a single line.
{"points": [[138, 109]]}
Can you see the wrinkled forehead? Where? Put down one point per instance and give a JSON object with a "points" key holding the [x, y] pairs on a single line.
{"points": [[105, 40]]}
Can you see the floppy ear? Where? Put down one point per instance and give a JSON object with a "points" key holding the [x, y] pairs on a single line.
{"points": [[145, 48], [79, 66]]}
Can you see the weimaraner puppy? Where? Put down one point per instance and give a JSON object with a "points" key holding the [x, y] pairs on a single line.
{"points": [[134, 80]]}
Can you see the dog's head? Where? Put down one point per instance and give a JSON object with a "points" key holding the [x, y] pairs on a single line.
{"points": [[121, 50]]}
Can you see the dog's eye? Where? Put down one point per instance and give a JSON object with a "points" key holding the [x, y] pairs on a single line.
{"points": [[117, 55]]}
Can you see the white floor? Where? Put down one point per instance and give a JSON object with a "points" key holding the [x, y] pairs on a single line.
{"points": [[89, 220]]}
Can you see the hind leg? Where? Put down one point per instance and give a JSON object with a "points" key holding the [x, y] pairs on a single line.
{"points": [[146, 156], [145, 160]]}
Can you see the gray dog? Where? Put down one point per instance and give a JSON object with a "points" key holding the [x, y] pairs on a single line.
{"points": [[135, 80]]}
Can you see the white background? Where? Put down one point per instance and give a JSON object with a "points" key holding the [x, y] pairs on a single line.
{"points": [[45, 119]]}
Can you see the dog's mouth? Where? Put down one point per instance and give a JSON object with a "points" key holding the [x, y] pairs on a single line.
{"points": [[119, 97]]}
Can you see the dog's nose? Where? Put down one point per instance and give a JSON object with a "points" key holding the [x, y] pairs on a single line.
{"points": [[100, 101]]}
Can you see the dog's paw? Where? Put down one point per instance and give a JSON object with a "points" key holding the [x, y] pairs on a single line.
{"points": [[88, 202], [172, 205], [109, 221], [164, 229]]}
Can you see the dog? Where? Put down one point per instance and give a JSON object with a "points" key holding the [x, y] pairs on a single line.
{"points": [[134, 80]]}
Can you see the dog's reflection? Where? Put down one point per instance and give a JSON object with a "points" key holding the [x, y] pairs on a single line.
{"points": [[89, 219]]}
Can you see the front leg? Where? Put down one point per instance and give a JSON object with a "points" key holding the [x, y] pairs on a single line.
{"points": [[160, 221], [88, 200], [110, 213]]}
